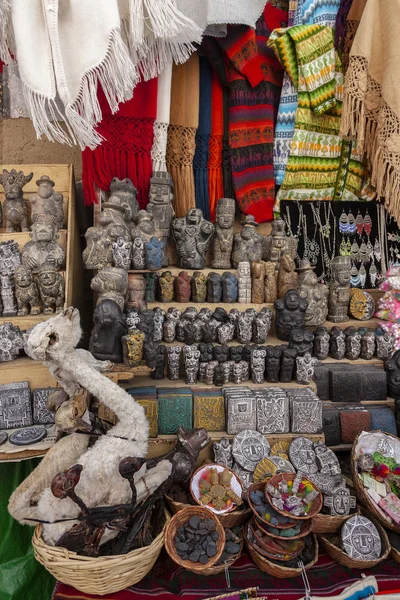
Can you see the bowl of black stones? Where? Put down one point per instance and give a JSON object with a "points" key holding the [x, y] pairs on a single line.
{"points": [[195, 539], [231, 552], [266, 515]]}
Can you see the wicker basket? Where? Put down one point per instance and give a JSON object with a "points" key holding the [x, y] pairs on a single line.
{"points": [[306, 528], [267, 552], [395, 554], [182, 517], [261, 486], [103, 575], [322, 523], [362, 494], [315, 507], [221, 568]]}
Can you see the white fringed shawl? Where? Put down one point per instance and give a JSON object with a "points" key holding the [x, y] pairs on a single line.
{"points": [[206, 13]]}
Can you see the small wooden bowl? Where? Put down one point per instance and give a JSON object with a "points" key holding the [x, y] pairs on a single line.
{"points": [[239, 487], [261, 486], [181, 518], [306, 528], [315, 507], [268, 551]]}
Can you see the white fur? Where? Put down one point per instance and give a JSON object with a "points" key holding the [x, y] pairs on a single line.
{"points": [[54, 342]]}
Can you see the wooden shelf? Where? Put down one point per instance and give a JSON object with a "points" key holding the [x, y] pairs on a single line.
{"points": [[341, 447], [23, 455], [147, 381], [26, 322], [388, 402]]}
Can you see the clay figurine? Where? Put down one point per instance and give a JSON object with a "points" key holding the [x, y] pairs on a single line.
{"points": [[151, 283], [338, 345], [287, 276], [126, 192], [122, 254], [111, 283], [210, 331], [236, 353], [353, 346], [244, 279], [247, 244], [316, 294], [192, 235], [51, 288], [272, 363], [199, 287], [154, 250], [47, 202], [257, 282], [109, 327], [191, 357], [166, 282], [43, 249], [223, 238], [288, 365], [182, 286], [261, 326], [278, 241], [270, 283], [244, 328], [305, 366], [10, 256], [229, 288], [214, 288], [367, 345], [26, 292], [321, 343], [221, 353], [132, 347], [161, 356], [136, 292], [138, 254], [290, 313], [15, 205], [302, 340], [339, 290], [8, 295], [257, 365], [226, 333], [174, 362], [160, 205]]}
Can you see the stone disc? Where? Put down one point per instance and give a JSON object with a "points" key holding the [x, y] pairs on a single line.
{"points": [[30, 435], [361, 539], [3, 437], [249, 448], [282, 465], [302, 455]]}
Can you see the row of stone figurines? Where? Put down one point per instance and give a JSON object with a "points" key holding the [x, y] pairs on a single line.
{"points": [[45, 205]]}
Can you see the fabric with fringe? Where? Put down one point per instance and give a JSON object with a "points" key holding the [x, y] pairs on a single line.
{"points": [[215, 148], [371, 106], [202, 139], [353, 21], [159, 148], [220, 12]]}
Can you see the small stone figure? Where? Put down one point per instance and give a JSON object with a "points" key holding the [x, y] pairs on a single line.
{"points": [[132, 319], [26, 292], [10, 307], [126, 192], [166, 286], [11, 342], [161, 207], [191, 357], [174, 362], [236, 353], [220, 315], [367, 345], [150, 349], [154, 250], [226, 333], [192, 235], [273, 362], [244, 279], [201, 376], [223, 238], [316, 294], [302, 340], [223, 453], [257, 282], [199, 287], [122, 253], [353, 346], [288, 365], [144, 227], [229, 288], [159, 371], [270, 283], [205, 315], [244, 328], [214, 288], [290, 314], [109, 327], [132, 347], [169, 326], [240, 371], [247, 349], [190, 333], [182, 286], [47, 202], [111, 283], [219, 375], [261, 326], [151, 284], [321, 343], [136, 292], [257, 364], [287, 276], [278, 241], [221, 353], [10, 256], [51, 288], [210, 370], [339, 290], [305, 366], [146, 323], [43, 249], [15, 205], [138, 254], [384, 345], [338, 345], [158, 320], [210, 331], [206, 352], [247, 244]]}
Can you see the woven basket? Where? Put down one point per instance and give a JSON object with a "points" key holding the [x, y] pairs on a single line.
{"points": [[236, 518], [322, 523], [306, 528], [182, 517], [362, 494], [315, 507], [221, 568], [395, 554], [266, 550], [261, 486], [103, 575]]}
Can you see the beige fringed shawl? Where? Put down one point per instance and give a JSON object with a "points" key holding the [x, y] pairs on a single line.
{"points": [[371, 107]]}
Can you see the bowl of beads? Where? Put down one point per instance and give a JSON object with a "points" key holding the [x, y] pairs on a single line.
{"points": [[217, 488], [278, 549], [293, 496], [263, 511]]}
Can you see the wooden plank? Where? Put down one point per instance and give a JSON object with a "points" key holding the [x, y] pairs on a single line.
{"points": [[26, 369], [26, 322], [23, 237], [147, 381], [212, 305], [23, 455], [60, 174], [388, 402]]}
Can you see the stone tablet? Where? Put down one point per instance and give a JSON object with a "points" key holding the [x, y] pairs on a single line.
{"points": [[42, 416], [352, 423], [331, 426], [241, 412], [345, 386], [272, 411], [249, 447], [360, 539], [340, 502], [246, 477], [302, 455], [15, 405], [30, 435], [306, 415]]}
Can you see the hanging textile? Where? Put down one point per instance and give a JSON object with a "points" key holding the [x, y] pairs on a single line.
{"points": [[159, 148], [203, 132], [353, 21], [255, 78], [208, 13], [308, 12], [215, 148], [321, 165], [341, 25], [125, 152], [184, 120], [371, 108]]}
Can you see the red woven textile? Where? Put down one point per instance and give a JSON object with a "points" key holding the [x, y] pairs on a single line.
{"points": [[214, 166]]}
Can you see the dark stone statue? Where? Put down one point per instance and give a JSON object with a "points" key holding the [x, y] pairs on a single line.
{"points": [[236, 353], [337, 344], [339, 290], [210, 329], [392, 368], [278, 241], [290, 314], [288, 365], [151, 286], [302, 340], [192, 235], [161, 206], [219, 375], [126, 192], [273, 363], [221, 353], [223, 238], [154, 250], [368, 345], [206, 352], [161, 356], [247, 244], [214, 288], [321, 343], [230, 288], [353, 346], [182, 287], [109, 327], [199, 287]]}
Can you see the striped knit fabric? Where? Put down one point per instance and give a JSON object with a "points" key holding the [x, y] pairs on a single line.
{"points": [[321, 166], [308, 12]]}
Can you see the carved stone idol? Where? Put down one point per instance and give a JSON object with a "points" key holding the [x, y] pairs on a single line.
{"points": [[219, 375], [158, 319], [154, 250], [338, 345], [11, 342], [166, 281], [210, 331], [302, 340], [206, 352], [15, 205], [257, 365], [221, 353], [229, 288], [109, 327], [160, 205], [7, 295], [199, 287], [257, 282], [144, 227], [111, 284], [385, 345], [10, 256], [339, 290], [244, 279], [174, 362], [226, 333], [122, 253], [223, 453], [287, 276], [321, 343], [305, 366], [159, 371], [191, 357], [51, 288], [126, 192], [136, 292], [353, 346], [236, 353], [132, 347], [278, 241], [270, 283], [288, 365], [214, 288], [169, 326], [223, 238], [244, 328], [240, 371], [247, 244], [47, 202], [368, 345], [290, 313], [43, 249], [261, 326], [273, 362], [151, 286], [210, 370], [316, 294], [26, 292], [138, 254], [192, 235]]}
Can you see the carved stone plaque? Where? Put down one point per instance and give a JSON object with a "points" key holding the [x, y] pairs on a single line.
{"points": [[302, 455], [345, 386], [246, 477], [272, 411], [15, 405], [249, 447], [306, 415], [282, 464], [3, 437], [340, 502], [30, 435], [241, 409], [331, 427], [360, 539], [42, 416]]}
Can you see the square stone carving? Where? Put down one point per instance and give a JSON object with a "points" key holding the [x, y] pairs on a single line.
{"points": [[331, 426], [272, 411], [306, 415], [241, 412], [15, 405], [346, 386], [42, 416]]}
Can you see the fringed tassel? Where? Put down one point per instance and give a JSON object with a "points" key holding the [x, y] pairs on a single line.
{"points": [[6, 35], [215, 177], [167, 22], [184, 194], [45, 116]]}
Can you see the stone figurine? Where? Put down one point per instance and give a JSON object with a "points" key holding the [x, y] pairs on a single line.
{"points": [[240, 371], [290, 313], [111, 283], [367, 345], [236, 353], [247, 244], [166, 282], [392, 368], [230, 288], [206, 352], [11, 343], [132, 319], [257, 282], [154, 251], [132, 347], [339, 290], [151, 286], [47, 202], [244, 328], [146, 323], [321, 343], [51, 289], [158, 319], [385, 345], [338, 345], [26, 292], [174, 362], [122, 254], [199, 287], [270, 283], [226, 333], [353, 346], [305, 366], [210, 370], [138, 254], [136, 292], [221, 353], [316, 294], [244, 279], [144, 227], [214, 288], [278, 241], [191, 356], [109, 327], [261, 326], [302, 340], [160, 205], [223, 238], [219, 375], [287, 276], [169, 327], [10, 256], [15, 206], [210, 331], [288, 365], [10, 307], [43, 249], [257, 364], [192, 235], [127, 193], [205, 315], [159, 370], [272, 363]]}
